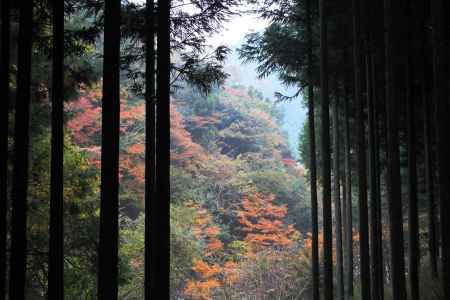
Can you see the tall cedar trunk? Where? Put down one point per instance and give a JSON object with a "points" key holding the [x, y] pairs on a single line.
{"points": [[377, 235], [373, 147], [337, 200], [312, 163], [428, 151], [427, 103], [344, 222], [4, 111], [326, 157], [149, 142], [56, 246], [393, 95], [374, 198], [21, 143], [413, 222], [109, 210], [348, 190], [361, 157], [160, 207], [379, 122], [440, 69]]}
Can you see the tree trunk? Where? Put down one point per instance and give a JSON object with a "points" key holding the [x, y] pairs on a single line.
{"points": [[377, 234], [18, 256], [326, 159], [313, 162], [348, 190], [150, 161], [56, 235], [413, 219], [440, 70], [109, 210], [337, 199], [4, 127], [361, 157], [161, 205], [428, 150], [374, 197], [394, 95]]}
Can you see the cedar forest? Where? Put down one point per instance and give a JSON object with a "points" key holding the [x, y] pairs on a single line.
{"points": [[358, 210]]}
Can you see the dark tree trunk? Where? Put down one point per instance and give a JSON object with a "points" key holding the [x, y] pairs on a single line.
{"points": [[393, 96], [337, 200], [376, 230], [160, 207], [312, 158], [4, 127], [326, 157], [428, 151], [149, 143], [348, 190], [109, 210], [413, 219], [56, 246], [361, 156], [440, 66], [18, 256], [374, 197]]}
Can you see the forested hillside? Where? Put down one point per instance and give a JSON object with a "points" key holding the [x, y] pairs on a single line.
{"points": [[239, 205]]}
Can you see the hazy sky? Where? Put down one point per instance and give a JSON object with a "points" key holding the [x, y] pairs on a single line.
{"points": [[235, 29]]}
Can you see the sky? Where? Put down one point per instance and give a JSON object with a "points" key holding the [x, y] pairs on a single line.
{"points": [[232, 35]]}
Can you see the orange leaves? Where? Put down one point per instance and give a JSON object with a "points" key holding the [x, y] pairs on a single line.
{"points": [[183, 150], [263, 222], [136, 149]]}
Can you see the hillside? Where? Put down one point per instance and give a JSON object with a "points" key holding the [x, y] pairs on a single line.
{"points": [[238, 195]]}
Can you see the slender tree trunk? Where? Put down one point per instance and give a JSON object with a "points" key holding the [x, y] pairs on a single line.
{"points": [[21, 143], [413, 218], [161, 204], [427, 105], [109, 210], [428, 150], [150, 161], [337, 200], [348, 190], [374, 197], [56, 247], [440, 66], [394, 95], [326, 157], [361, 157], [313, 162], [4, 127], [377, 235]]}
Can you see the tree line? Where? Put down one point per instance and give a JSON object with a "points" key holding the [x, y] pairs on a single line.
{"points": [[375, 79], [157, 79]]}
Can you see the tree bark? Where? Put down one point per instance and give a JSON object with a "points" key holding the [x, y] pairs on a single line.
{"points": [[161, 204], [109, 210], [150, 159], [348, 190], [56, 234], [337, 199], [18, 256], [413, 218], [440, 70], [393, 95], [313, 163], [4, 127], [326, 159], [361, 156]]}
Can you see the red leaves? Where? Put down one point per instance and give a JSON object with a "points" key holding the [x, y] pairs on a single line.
{"points": [[263, 222]]}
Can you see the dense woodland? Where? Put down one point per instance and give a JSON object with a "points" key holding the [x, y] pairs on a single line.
{"points": [[132, 166]]}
